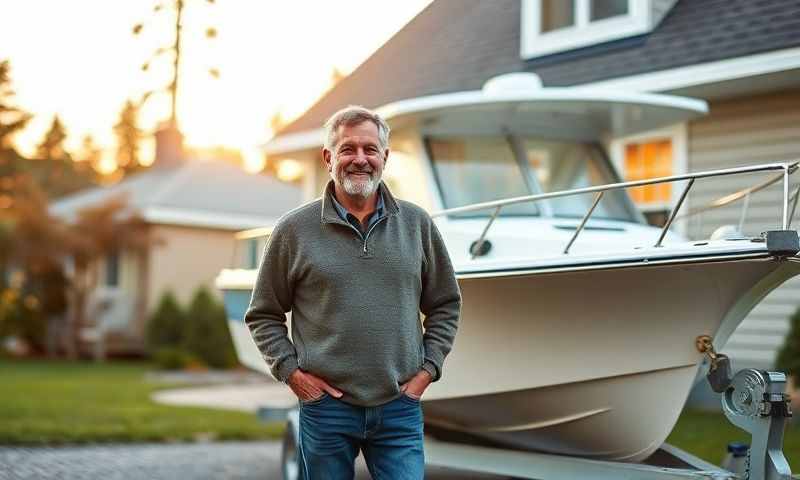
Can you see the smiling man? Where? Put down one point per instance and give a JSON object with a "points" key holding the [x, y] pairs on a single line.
{"points": [[356, 267]]}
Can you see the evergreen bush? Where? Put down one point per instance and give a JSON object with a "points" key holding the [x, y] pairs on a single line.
{"points": [[789, 355], [207, 334], [166, 328]]}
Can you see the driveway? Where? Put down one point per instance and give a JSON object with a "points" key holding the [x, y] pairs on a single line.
{"points": [[196, 461]]}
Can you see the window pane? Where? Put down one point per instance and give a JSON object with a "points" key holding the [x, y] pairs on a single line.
{"points": [[112, 269], [557, 14], [608, 8], [478, 169], [649, 160], [559, 166], [252, 253]]}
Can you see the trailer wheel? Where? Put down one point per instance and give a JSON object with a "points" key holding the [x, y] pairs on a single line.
{"points": [[290, 459]]}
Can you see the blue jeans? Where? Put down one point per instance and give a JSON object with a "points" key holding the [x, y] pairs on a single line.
{"points": [[389, 436]]}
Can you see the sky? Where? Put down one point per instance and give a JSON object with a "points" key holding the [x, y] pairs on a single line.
{"points": [[79, 59]]}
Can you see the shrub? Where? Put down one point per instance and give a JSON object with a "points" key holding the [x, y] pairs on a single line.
{"points": [[207, 335], [166, 328], [173, 358], [789, 355], [21, 316]]}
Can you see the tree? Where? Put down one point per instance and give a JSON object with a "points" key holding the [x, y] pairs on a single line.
{"points": [[129, 136], [12, 119], [89, 158], [33, 244], [53, 167], [97, 232], [52, 145]]}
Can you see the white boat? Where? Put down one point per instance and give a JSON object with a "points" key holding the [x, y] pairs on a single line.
{"points": [[579, 322]]}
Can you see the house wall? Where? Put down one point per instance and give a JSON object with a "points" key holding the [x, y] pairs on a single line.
{"points": [[185, 259], [747, 131]]}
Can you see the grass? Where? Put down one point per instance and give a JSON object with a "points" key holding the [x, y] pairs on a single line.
{"points": [[46, 402], [707, 434]]}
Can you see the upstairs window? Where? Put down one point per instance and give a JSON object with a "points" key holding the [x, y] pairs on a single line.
{"points": [[551, 26]]}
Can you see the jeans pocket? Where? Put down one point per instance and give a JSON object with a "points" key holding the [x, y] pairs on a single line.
{"points": [[313, 401], [410, 398]]}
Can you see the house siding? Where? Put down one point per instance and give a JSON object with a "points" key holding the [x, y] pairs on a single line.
{"points": [[748, 131], [185, 259]]}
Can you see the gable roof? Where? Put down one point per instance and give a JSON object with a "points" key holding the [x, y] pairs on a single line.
{"points": [[195, 193], [457, 45]]}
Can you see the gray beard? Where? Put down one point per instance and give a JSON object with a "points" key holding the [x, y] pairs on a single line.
{"points": [[363, 188]]}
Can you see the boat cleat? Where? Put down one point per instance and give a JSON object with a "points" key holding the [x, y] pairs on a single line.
{"points": [[782, 243]]}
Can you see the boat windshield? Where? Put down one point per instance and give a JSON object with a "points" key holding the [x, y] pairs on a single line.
{"points": [[473, 169]]}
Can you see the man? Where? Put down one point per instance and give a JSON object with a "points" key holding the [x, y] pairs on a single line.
{"points": [[355, 268]]}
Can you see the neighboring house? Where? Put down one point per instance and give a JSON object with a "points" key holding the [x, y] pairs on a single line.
{"points": [[193, 210], [742, 56]]}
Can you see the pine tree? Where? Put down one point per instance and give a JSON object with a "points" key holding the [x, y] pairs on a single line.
{"points": [[12, 119], [129, 136], [52, 145], [89, 158], [54, 169]]}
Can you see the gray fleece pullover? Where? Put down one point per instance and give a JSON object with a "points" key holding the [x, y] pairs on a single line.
{"points": [[355, 300]]}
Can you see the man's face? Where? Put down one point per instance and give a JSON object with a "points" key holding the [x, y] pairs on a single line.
{"points": [[356, 162]]}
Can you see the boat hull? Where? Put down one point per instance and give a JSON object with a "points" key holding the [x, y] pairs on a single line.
{"points": [[590, 362]]}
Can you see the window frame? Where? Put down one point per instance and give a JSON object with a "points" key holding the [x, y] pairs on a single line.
{"points": [[678, 135], [535, 43]]}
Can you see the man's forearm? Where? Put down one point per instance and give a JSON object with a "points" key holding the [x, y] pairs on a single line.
{"points": [[272, 339]]}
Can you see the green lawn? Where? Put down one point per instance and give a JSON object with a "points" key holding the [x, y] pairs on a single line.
{"points": [[63, 402], [76, 402], [707, 435]]}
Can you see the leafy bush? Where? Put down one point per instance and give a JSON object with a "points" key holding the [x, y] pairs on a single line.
{"points": [[789, 355], [20, 315], [166, 328], [207, 334]]}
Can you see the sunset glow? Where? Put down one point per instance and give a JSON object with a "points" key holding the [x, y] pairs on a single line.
{"points": [[271, 57]]}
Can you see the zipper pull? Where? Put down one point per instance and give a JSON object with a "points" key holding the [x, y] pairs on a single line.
{"points": [[365, 245]]}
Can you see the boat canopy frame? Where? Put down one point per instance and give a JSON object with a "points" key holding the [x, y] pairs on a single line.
{"points": [[785, 168]]}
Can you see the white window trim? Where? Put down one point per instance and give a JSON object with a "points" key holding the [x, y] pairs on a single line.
{"points": [[534, 43], [678, 134]]}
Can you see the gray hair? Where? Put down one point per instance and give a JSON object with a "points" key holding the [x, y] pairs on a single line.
{"points": [[353, 115]]}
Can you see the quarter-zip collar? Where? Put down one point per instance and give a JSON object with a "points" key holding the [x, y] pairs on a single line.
{"points": [[330, 215]]}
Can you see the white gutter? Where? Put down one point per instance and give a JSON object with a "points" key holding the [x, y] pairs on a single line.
{"points": [[703, 73], [292, 142], [203, 219]]}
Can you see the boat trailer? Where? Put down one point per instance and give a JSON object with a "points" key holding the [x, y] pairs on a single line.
{"points": [[753, 400]]}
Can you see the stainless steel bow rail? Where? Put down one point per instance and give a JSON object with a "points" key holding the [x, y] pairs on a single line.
{"points": [[785, 168]]}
